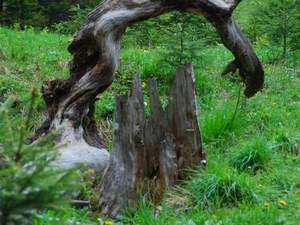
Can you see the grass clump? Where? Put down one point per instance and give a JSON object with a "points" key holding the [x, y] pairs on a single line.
{"points": [[288, 143], [251, 156], [220, 186], [147, 214], [223, 120]]}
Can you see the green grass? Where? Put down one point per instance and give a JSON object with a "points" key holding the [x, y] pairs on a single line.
{"points": [[250, 155], [220, 186], [253, 166]]}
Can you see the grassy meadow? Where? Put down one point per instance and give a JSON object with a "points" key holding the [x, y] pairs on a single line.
{"points": [[253, 173]]}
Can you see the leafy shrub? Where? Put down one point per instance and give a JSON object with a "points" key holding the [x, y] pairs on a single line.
{"points": [[220, 186], [252, 155], [28, 181]]}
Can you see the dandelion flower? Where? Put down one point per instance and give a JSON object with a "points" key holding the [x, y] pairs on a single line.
{"points": [[267, 204], [282, 202], [108, 222]]}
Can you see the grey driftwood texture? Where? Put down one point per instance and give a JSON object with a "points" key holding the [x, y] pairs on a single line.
{"points": [[95, 54], [161, 148], [95, 50]]}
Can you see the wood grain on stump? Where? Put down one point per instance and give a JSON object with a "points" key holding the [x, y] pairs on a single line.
{"points": [[161, 148], [95, 54]]}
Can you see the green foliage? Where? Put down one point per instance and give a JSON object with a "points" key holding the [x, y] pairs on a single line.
{"points": [[183, 35], [179, 36], [254, 216], [147, 62], [221, 187], [25, 13], [252, 155], [277, 20], [42, 13], [287, 142], [281, 21], [225, 195], [144, 215], [216, 125], [28, 181], [284, 176], [66, 217], [77, 17]]}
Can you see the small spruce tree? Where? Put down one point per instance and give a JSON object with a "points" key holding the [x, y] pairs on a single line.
{"points": [[280, 20], [28, 180]]}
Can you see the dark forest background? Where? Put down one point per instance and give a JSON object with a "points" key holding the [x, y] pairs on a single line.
{"points": [[278, 21]]}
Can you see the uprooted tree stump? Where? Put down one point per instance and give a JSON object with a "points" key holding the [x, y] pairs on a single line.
{"points": [[159, 149]]}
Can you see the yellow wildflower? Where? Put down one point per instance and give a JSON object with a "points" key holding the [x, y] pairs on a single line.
{"points": [[267, 204], [282, 202], [108, 222]]}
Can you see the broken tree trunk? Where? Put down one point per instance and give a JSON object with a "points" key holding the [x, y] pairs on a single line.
{"points": [[95, 50], [159, 150]]}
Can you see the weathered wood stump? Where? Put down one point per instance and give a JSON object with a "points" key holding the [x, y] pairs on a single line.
{"points": [[173, 138], [161, 148], [95, 52]]}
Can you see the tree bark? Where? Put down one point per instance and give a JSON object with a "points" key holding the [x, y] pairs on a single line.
{"points": [[95, 50], [158, 150]]}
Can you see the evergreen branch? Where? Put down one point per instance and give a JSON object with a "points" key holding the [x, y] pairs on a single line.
{"points": [[18, 154]]}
